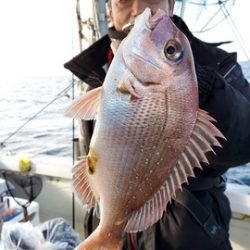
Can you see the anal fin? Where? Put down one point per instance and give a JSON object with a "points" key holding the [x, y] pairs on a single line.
{"points": [[151, 211], [81, 184]]}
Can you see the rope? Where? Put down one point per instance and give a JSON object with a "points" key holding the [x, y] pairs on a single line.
{"points": [[210, 28], [236, 32], [209, 21], [216, 2], [227, 16], [59, 95]]}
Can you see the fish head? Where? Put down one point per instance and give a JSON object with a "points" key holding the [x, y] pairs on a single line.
{"points": [[157, 53]]}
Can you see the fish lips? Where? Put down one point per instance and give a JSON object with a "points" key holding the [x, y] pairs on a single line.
{"points": [[153, 20]]}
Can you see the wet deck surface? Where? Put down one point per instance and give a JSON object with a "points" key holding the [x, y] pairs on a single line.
{"points": [[240, 233]]}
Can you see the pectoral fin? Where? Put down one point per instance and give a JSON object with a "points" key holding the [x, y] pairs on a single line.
{"points": [[87, 106]]}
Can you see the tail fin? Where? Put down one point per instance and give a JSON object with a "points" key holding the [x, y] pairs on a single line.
{"points": [[97, 241]]}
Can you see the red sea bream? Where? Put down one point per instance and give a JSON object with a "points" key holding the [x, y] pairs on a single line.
{"points": [[149, 132]]}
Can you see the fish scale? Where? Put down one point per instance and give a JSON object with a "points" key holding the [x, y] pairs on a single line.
{"points": [[149, 132], [134, 149]]}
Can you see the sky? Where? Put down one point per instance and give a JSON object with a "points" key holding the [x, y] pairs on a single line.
{"points": [[36, 36], [39, 36], [237, 23]]}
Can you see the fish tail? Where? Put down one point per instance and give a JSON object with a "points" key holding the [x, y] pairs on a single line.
{"points": [[97, 241]]}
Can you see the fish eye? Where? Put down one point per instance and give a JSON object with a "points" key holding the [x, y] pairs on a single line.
{"points": [[173, 51]]}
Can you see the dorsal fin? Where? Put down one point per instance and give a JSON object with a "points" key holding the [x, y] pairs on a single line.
{"points": [[203, 136], [200, 142], [86, 107], [81, 183]]}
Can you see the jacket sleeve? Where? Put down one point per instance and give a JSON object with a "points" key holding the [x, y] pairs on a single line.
{"points": [[227, 99]]}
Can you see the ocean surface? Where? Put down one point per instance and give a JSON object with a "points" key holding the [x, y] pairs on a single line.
{"points": [[50, 133]]}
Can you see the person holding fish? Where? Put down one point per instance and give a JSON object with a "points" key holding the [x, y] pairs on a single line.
{"points": [[172, 116]]}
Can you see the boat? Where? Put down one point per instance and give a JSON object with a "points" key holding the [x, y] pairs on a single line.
{"points": [[239, 197], [56, 172]]}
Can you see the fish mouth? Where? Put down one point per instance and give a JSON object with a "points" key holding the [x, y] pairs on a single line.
{"points": [[139, 35], [153, 19], [150, 21]]}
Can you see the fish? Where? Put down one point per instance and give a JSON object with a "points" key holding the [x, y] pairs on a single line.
{"points": [[149, 131]]}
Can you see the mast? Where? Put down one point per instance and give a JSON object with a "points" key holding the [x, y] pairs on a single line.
{"points": [[183, 8], [100, 18], [90, 29]]}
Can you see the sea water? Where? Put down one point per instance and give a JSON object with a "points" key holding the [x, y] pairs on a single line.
{"points": [[50, 133]]}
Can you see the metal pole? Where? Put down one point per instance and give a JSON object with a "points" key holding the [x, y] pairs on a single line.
{"points": [[183, 7]]}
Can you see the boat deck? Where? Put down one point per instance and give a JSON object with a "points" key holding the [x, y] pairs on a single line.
{"points": [[240, 232]]}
